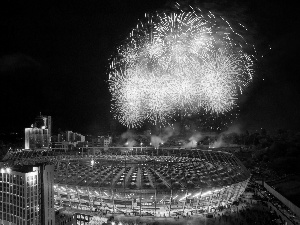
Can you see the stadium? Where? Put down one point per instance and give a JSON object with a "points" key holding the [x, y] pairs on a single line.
{"points": [[159, 182]]}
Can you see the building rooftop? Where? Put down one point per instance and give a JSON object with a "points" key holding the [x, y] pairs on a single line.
{"points": [[23, 169], [19, 168]]}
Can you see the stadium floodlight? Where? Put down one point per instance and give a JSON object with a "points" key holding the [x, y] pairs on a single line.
{"points": [[206, 193], [185, 197], [196, 195]]}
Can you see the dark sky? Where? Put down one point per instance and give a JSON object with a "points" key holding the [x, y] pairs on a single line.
{"points": [[54, 59]]}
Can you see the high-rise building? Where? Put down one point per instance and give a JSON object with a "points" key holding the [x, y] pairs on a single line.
{"points": [[101, 141], [70, 136], [26, 195], [67, 140], [39, 134]]}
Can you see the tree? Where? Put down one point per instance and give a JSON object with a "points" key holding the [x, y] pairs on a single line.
{"points": [[263, 132], [3, 150]]}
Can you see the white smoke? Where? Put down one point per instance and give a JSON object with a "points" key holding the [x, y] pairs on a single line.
{"points": [[156, 141], [236, 128], [130, 143], [167, 133], [129, 137], [163, 137], [218, 143], [193, 140]]}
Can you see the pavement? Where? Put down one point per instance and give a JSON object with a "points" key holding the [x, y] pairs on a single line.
{"points": [[246, 214]]}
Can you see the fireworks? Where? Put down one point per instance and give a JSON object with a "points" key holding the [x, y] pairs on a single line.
{"points": [[178, 63]]}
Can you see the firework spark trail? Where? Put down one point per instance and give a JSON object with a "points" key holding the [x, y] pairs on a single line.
{"points": [[178, 62]]}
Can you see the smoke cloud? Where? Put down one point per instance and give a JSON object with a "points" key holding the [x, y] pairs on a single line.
{"points": [[218, 143], [193, 140], [129, 136], [164, 136], [234, 129], [156, 141]]}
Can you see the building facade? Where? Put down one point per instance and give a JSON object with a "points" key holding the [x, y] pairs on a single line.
{"points": [[149, 180], [26, 195], [39, 134], [70, 136], [101, 141], [67, 140]]}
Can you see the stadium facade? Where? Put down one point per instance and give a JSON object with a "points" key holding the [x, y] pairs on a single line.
{"points": [[153, 181]]}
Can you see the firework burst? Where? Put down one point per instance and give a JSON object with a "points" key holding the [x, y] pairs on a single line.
{"points": [[178, 62]]}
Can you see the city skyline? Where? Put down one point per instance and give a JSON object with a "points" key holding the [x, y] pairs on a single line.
{"points": [[54, 60]]}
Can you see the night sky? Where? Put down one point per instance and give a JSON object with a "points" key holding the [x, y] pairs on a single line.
{"points": [[54, 60]]}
